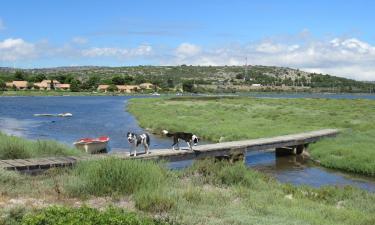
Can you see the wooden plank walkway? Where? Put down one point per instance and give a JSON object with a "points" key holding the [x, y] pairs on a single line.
{"points": [[201, 151]]}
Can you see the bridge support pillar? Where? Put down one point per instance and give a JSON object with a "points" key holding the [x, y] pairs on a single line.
{"points": [[285, 151], [301, 148], [291, 150]]}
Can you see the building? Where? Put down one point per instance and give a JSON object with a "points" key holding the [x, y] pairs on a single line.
{"points": [[64, 86], [127, 88], [103, 87], [19, 85], [146, 86], [46, 84]]}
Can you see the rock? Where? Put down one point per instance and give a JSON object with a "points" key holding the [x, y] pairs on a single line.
{"points": [[290, 197]]}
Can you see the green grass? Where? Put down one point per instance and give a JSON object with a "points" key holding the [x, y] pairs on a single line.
{"points": [[12, 147], [207, 193], [227, 119], [113, 176], [58, 215]]}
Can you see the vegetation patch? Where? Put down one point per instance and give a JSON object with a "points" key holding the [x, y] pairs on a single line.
{"points": [[209, 192], [58, 215], [111, 176], [228, 119], [12, 147]]}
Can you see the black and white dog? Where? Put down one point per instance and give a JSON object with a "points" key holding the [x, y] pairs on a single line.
{"points": [[138, 139], [188, 137]]}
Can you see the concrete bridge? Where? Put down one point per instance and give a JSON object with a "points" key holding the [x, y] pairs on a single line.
{"points": [[233, 151]]}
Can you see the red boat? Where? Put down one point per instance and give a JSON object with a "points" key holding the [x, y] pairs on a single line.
{"points": [[93, 145]]}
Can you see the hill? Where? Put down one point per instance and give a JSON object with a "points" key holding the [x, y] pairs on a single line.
{"points": [[200, 78]]}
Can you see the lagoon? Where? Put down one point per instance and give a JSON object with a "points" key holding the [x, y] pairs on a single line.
{"points": [[106, 115]]}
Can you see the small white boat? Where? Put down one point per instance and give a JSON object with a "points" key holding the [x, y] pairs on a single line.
{"points": [[155, 94], [93, 145], [65, 114], [60, 114], [44, 114]]}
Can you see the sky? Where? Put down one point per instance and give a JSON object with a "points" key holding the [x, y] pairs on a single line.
{"points": [[325, 36]]}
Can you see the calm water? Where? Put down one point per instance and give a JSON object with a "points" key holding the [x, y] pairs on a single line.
{"points": [[92, 117], [106, 115]]}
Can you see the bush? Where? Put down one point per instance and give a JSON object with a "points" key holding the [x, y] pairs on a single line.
{"points": [[12, 147], [156, 200], [62, 215], [112, 176], [225, 173]]}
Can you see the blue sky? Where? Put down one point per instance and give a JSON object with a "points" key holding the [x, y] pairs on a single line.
{"points": [[333, 37]]}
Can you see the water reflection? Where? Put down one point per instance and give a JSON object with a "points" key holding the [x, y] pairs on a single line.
{"points": [[297, 169]]}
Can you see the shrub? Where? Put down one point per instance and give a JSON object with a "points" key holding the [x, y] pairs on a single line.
{"points": [[12, 147], [225, 173], [62, 215], [156, 200], [111, 176]]}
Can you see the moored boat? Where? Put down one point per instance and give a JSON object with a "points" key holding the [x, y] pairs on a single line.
{"points": [[93, 145]]}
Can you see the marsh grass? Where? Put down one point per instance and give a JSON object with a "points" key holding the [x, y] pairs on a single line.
{"points": [[58, 215], [207, 193], [115, 176], [12, 147], [228, 119]]}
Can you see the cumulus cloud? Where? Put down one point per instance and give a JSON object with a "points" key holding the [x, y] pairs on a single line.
{"points": [[348, 57], [15, 49], [2, 25], [187, 50]]}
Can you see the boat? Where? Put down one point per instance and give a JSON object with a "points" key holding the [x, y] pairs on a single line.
{"points": [[93, 145], [44, 114], [60, 114], [155, 94], [64, 114]]}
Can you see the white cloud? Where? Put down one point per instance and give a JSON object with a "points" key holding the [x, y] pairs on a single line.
{"points": [[347, 57], [142, 50], [2, 25], [16, 49], [187, 50]]}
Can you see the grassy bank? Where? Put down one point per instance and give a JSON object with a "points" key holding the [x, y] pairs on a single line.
{"points": [[12, 147], [206, 193], [227, 119]]}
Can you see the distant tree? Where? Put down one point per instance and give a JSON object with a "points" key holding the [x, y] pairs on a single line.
{"points": [[74, 85], [19, 75], [139, 79], [61, 78], [170, 83], [117, 80], [40, 77], [2, 85], [112, 88], [188, 86], [52, 86], [128, 79], [91, 83], [240, 76], [30, 85]]}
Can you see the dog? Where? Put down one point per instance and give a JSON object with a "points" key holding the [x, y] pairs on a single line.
{"points": [[138, 139], [188, 137]]}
